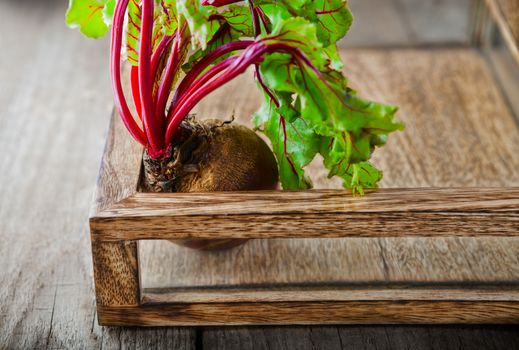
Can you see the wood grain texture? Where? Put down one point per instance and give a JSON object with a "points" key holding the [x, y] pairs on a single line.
{"points": [[116, 273], [463, 134], [325, 214], [362, 338], [358, 292], [336, 312]]}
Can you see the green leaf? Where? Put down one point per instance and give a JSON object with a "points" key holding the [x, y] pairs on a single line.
{"points": [[108, 12], [197, 17], [301, 34], [164, 23], [133, 30], [169, 18], [333, 56], [308, 107], [332, 18], [294, 144], [347, 127], [356, 176], [89, 16], [230, 25]]}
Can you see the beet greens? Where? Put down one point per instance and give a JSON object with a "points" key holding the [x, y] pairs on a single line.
{"points": [[181, 51]]}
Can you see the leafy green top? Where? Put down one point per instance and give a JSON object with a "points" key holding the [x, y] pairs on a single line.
{"points": [[308, 107]]}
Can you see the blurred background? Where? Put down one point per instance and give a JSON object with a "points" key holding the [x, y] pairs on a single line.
{"points": [[409, 23]]}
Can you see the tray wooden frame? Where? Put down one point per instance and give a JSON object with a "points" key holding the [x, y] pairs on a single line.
{"points": [[121, 216]]}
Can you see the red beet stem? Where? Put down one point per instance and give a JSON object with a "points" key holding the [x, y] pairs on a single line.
{"points": [[152, 125], [134, 82], [115, 72], [172, 67], [205, 62]]}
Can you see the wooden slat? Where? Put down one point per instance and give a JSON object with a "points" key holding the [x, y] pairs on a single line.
{"points": [[506, 15], [372, 337], [459, 129], [392, 213], [387, 292], [510, 9], [389, 200], [355, 312]]}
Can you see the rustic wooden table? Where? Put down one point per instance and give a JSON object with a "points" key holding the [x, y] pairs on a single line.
{"points": [[55, 100]]}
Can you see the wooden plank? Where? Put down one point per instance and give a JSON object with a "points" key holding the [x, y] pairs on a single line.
{"points": [[507, 73], [324, 214], [288, 337], [362, 337], [461, 135], [336, 312], [148, 338], [360, 292], [434, 337], [393, 200]]}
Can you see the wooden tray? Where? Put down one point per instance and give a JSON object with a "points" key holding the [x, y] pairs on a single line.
{"points": [[438, 243]]}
